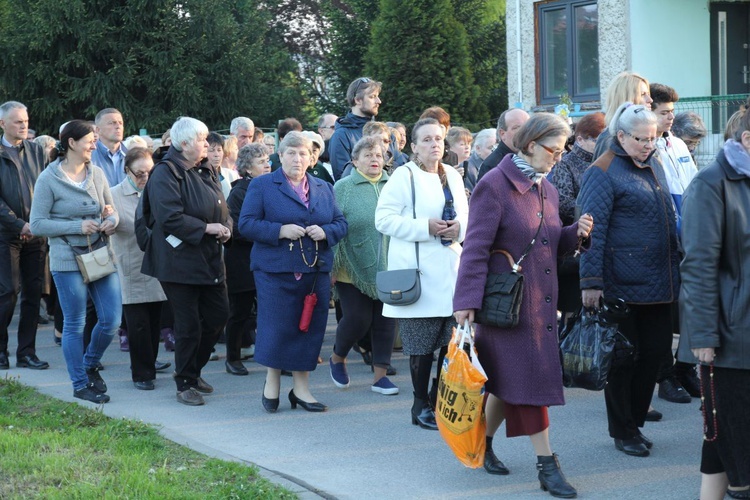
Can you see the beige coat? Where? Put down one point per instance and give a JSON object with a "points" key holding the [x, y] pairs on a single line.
{"points": [[137, 288]]}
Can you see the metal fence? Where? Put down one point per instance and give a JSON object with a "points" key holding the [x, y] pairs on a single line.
{"points": [[715, 111]]}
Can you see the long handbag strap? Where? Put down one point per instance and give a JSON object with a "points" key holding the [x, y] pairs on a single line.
{"points": [[414, 215], [516, 265]]}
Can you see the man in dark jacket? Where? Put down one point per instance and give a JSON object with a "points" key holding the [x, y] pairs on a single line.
{"points": [[507, 126], [22, 255], [363, 95]]}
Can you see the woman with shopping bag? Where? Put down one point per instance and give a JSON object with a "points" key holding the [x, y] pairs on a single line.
{"points": [[460, 397], [522, 361]]}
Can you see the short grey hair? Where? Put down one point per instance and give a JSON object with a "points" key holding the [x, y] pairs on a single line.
{"points": [[295, 139], [105, 111], [45, 141], [241, 123], [10, 106], [483, 136], [186, 129], [539, 127], [367, 143], [249, 153], [689, 125], [629, 116], [322, 118]]}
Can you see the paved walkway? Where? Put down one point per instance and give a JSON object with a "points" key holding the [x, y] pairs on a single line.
{"points": [[365, 445]]}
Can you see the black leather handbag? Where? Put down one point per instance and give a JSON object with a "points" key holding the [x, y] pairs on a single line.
{"points": [[501, 304], [400, 287]]}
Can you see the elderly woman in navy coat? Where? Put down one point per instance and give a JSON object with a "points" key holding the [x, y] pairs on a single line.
{"points": [[294, 221], [522, 363]]}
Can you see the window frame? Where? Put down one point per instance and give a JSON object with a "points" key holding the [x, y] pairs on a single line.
{"points": [[569, 7]]}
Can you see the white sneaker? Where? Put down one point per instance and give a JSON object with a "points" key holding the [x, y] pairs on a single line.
{"points": [[247, 352]]}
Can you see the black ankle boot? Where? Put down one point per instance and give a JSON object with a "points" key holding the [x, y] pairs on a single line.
{"points": [[422, 414], [434, 393], [552, 479]]}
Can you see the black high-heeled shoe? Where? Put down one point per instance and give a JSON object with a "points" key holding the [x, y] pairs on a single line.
{"points": [[313, 407], [270, 405]]}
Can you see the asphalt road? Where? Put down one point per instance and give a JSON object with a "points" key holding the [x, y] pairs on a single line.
{"points": [[365, 445]]}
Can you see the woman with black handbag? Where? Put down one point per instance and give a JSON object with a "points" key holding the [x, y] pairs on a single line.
{"points": [[634, 256], [410, 210], [522, 361], [73, 207]]}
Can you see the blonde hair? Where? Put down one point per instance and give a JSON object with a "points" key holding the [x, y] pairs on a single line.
{"points": [[626, 87], [374, 128], [458, 134], [135, 141], [230, 145]]}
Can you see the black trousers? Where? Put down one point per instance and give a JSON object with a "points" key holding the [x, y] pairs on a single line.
{"points": [[200, 313], [669, 365], [631, 384], [727, 394], [243, 319], [360, 315], [21, 271], [143, 333]]}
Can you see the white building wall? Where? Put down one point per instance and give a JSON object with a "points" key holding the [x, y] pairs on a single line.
{"points": [[666, 41], [614, 41], [672, 45], [521, 90]]}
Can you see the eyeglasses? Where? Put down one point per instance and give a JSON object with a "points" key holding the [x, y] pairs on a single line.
{"points": [[140, 175], [556, 154], [691, 143], [643, 141], [360, 81], [331, 127]]}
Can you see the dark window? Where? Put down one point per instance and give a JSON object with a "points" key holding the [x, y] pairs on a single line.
{"points": [[568, 50]]}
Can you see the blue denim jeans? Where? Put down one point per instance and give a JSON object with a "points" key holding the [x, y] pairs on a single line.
{"points": [[73, 294]]}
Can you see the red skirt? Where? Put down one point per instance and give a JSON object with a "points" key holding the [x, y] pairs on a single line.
{"points": [[524, 420]]}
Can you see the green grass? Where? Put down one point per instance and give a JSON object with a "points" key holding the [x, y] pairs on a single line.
{"points": [[53, 449]]}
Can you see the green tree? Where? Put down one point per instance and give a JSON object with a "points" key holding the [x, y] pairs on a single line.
{"points": [[421, 54], [484, 21], [153, 59], [351, 25]]}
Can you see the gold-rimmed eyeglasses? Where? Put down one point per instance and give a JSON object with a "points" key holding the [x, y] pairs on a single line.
{"points": [[556, 154]]}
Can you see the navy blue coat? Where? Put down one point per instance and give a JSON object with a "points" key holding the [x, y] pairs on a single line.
{"points": [[271, 203], [634, 251]]}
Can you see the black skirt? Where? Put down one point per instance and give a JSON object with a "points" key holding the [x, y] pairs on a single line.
{"points": [[730, 452]]}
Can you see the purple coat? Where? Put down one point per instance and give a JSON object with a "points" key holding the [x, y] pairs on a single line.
{"points": [[522, 363]]}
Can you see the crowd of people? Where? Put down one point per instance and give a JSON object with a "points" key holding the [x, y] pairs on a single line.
{"points": [[252, 241]]}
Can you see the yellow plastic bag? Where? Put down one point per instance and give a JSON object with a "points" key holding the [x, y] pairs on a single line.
{"points": [[460, 396]]}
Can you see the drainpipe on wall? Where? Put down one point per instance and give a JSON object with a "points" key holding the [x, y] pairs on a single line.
{"points": [[518, 53]]}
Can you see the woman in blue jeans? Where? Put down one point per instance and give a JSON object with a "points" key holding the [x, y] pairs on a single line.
{"points": [[72, 207]]}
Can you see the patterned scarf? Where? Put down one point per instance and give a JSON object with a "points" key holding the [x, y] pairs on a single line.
{"points": [[528, 170]]}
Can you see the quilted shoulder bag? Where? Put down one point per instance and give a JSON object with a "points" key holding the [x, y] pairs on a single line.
{"points": [[501, 303], [400, 287]]}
